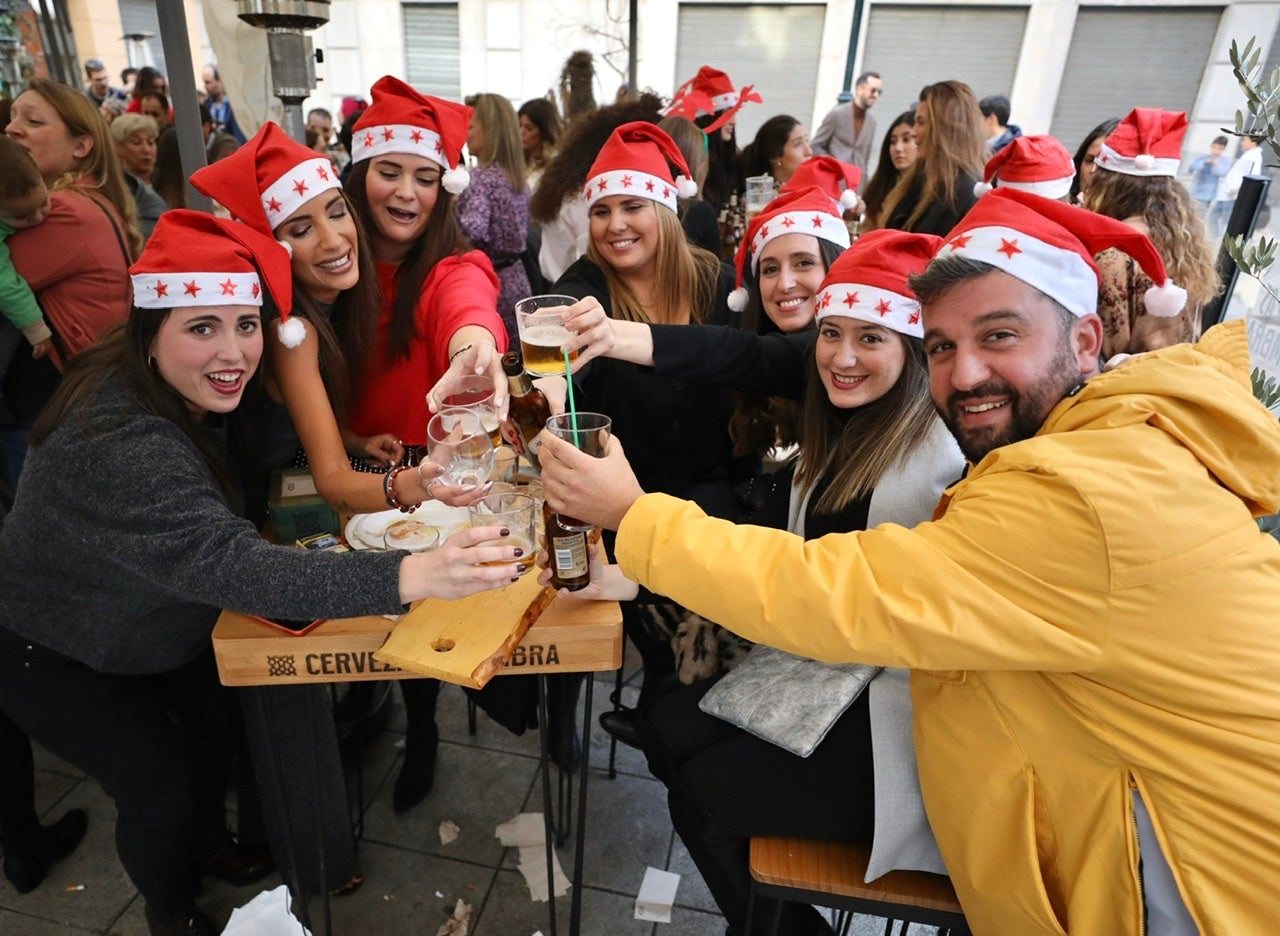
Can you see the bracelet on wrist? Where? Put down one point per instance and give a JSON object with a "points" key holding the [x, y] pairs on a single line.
{"points": [[389, 490]]}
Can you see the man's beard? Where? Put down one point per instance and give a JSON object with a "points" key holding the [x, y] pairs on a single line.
{"points": [[1027, 410]]}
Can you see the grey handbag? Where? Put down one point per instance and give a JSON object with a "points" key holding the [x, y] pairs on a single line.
{"points": [[786, 700]]}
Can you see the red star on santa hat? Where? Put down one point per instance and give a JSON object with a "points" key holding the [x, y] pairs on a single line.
{"points": [[666, 192], [788, 222], [368, 139], [439, 146], [322, 172], [388, 133], [764, 231], [883, 307], [961, 241], [416, 136], [162, 289], [648, 186], [256, 289], [1008, 247], [817, 221], [914, 318], [826, 300], [851, 299], [602, 184], [1104, 158], [273, 204], [228, 288], [626, 181], [191, 288], [299, 186]]}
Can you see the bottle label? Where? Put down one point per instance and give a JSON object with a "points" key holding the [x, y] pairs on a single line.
{"points": [[570, 554]]}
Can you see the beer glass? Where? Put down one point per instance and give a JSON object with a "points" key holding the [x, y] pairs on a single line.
{"points": [[758, 193], [513, 511], [458, 442], [588, 432], [540, 320], [473, 392]]}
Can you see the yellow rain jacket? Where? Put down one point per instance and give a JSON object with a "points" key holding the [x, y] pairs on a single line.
{"points": [[1090, 609]]}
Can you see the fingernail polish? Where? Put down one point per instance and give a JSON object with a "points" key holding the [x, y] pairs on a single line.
{"points": [[519, 552], [516, 579], [505, 532], [522, 569]]}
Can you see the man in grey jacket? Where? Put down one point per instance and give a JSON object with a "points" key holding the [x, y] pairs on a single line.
{"points": [[847, 130]]}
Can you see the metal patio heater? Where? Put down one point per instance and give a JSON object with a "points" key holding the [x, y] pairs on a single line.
{"points": [[293, 63]]}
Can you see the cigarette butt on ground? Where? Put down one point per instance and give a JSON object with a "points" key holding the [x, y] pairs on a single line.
{"points": [[74, 887]]}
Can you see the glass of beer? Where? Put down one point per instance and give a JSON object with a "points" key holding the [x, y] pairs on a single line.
{"points": [[473, 392], [540, 320], [458, 442], [758, 193], [513, 511], [588, 432]]}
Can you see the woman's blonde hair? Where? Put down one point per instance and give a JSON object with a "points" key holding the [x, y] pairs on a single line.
{"points": [[690, 277], [693, 145], [500, 137], [98, 169], [1175, 227], [957, 144], [126, 125]]}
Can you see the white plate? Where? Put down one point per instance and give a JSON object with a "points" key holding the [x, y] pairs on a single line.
{"points": [[365, 531]]}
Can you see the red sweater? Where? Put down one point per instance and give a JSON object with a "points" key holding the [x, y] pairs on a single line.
{"points": [[392, 396]]}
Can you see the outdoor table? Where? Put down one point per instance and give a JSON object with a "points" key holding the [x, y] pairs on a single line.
{"points": [[569, 637]]}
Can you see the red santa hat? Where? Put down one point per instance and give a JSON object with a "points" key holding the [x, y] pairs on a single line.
{"points": [[838, 179], [195, 259], [400, 120], [1148, 142], [1038, 164], [869, 280], [267, 179], [637, 160], [809, 211], [710, 92], [1051, 246]]}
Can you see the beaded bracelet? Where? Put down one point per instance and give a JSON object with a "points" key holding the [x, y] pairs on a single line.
{"points": [[389, 490]]}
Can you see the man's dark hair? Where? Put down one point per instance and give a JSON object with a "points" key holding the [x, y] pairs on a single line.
{"points": [[996, 104], [862, 79], [206, 116], [93, 65], [944, 273], [1220, 141], [319, 110], [126, 74]]}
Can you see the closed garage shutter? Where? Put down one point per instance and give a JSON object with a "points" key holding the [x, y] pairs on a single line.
{"points": [[139, 16], [431, 49], [915, 46], [1119, 59], [774, 48]]}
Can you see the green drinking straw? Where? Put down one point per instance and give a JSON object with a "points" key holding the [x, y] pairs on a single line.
{"points": [[573, 410]]}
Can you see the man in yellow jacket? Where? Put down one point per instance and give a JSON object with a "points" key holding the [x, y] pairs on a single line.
{"points": [[1091, 617]]}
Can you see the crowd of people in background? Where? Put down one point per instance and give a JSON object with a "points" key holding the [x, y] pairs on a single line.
{"points": [[738, 367]]}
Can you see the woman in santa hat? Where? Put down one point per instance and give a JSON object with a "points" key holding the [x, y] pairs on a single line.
{"points": [[639, 267], [93, 664], [1136, 182], [872, 450], [710, 100]]}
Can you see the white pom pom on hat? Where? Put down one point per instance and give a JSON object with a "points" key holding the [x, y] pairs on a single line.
{"points": [[848, 199], [1144, 161], [456, 180], [981, 188], [738, 299], [291, 332], [1166, 300], [686, 187]]}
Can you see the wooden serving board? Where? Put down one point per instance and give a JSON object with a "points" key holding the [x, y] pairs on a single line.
{"points": [[468, 640]]}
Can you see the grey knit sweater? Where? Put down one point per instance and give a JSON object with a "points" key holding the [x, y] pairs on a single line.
{"points": [[120, 550]]}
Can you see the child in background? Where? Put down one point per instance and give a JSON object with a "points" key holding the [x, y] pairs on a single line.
{"points": [[24, 202]]}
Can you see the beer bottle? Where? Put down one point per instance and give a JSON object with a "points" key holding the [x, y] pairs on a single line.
{"points": [[528, 409], [568, 553]]}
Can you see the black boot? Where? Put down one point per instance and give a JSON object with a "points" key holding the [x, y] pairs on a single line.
{"points": [[418, 772], [27, 858], [621, 724], [197, 924]]}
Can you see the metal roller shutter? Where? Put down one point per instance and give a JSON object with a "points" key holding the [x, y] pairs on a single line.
{"points": [[1126, 58], [431, 49], [774, 48], [915, 46]]}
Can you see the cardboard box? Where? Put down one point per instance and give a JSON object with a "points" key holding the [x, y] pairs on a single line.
{"points": [[295, 518], [292, 482]]}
